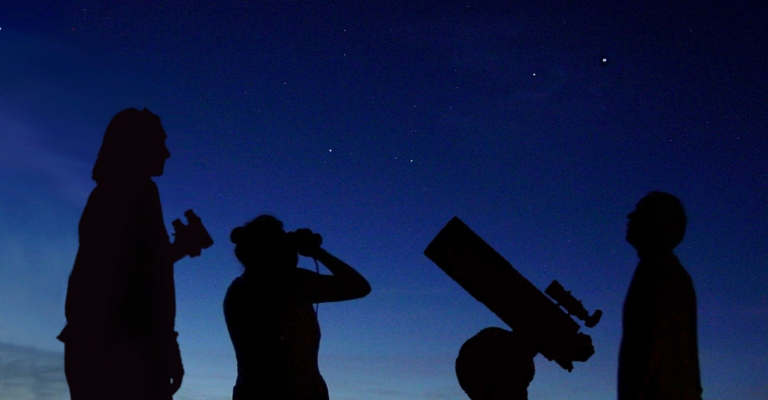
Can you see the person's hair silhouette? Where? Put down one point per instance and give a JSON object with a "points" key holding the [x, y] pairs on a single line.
{"points": [[119, 341], [269, 314], [133, 147], [658, 358]]}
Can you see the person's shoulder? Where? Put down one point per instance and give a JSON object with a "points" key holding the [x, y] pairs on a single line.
{"points": [[235, 291], [681, 275], [237, 286], [673, 269], [237, 283]]}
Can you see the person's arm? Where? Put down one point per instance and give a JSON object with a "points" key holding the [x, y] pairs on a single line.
{"points": [[345, 283]]}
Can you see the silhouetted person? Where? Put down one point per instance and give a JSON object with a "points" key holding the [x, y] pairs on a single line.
{"points": [[496, 364], [658, 358], [269, 313], [119, 341]]}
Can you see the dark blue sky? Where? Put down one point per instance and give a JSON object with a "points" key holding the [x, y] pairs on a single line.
{"points": [[374, 124]]}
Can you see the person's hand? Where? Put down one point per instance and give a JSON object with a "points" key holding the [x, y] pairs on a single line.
{"points": [[184, 243], [192, 238], [175, 368], [176, 377]]}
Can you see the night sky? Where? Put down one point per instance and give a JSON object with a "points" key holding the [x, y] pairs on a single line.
{"points": [[539, 124]]}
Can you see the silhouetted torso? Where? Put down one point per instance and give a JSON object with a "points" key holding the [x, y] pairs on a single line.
{"points": [[121, 286], [269, 314], [276, 337], [120, 304], [658, 358]]}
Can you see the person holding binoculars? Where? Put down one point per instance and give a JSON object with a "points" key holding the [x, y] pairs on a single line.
{"points": [[269, 313], [120, 341]]}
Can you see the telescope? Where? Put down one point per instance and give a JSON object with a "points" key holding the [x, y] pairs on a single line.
{"points": [[492, 280]]}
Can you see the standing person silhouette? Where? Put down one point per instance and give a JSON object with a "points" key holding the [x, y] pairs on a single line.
{"points": [[119, 341], [658, 358], [269, 314]]}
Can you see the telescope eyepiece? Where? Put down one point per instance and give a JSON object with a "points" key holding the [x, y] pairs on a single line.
{"points": [[571, 304]]}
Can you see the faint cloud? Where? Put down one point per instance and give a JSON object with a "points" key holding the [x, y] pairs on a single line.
{"points": [[42, 195], [31, 374], [27, 373], [23, 152], [757, 311]]}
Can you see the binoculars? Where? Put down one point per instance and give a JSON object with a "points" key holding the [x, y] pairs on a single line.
{"points": [[302, 239], [193, 234]]}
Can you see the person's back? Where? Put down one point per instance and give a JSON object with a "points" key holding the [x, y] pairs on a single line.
{"points": [[658, 358]]}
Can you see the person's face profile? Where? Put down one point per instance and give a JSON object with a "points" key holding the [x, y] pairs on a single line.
{"points": [[639, 225], [156, 152], [632, 228]]}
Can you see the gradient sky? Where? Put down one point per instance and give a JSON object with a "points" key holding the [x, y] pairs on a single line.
{"points": [[374, 124]]}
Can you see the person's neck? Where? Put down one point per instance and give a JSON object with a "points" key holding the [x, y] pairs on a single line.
{"points": [[655, 254], [125, 180]]}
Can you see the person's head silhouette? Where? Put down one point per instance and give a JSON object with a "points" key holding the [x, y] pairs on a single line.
{"points": [[657, 224], [133, 147], [263, 244]]}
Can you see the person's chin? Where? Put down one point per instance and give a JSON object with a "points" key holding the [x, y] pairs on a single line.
{"points": [[630, 238]]}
